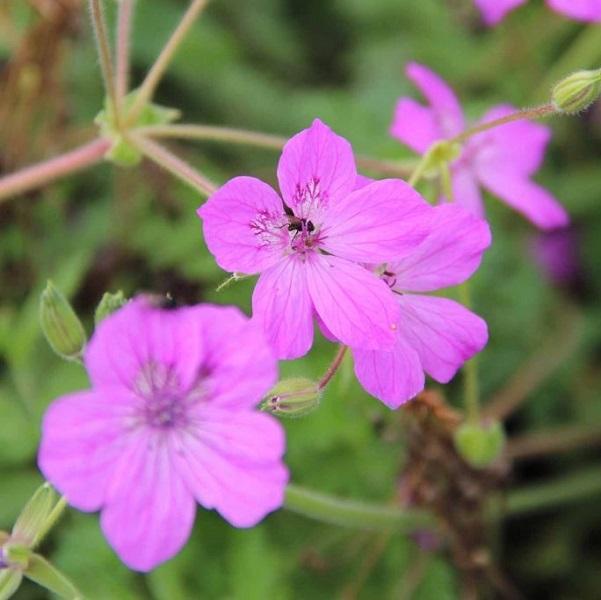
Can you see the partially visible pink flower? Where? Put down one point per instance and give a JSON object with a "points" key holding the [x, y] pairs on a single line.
{"points": [[310, 244], [501, 159], [557, 254], [494, 11], [169, 422], [436, 335]]}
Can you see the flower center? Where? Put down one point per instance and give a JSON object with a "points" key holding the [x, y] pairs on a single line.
{"points": [[165, 411]]}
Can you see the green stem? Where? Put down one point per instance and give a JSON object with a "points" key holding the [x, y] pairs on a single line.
{"points": [[538, 112], [124, 25], [471, 388], [419, 170], [327, 377], [53, 517], [565, 490], [352, 513], [152, 80], [104, 55], [261, 140], [175, 165]]}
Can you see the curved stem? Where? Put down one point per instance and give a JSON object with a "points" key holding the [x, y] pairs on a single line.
{"points": [[152, 80], [104, 55], [538, 112], [124, 26], [36, 176], [353, 513], [215, 133], [327, 377], [175, 165]]}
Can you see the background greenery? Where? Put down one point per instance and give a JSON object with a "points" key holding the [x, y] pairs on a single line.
{"points": [[272, 66]]}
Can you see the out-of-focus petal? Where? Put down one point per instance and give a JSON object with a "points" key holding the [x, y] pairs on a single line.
{"points": [[581, 10], [357, 307], [525, 196], [316, 169], [282, 307], [382, 221], [83, 436], [442, 332], [494, 11], [151, 512], [415, 125], [138, 337], [394, 376], [239, 366], [518, 146], [440, 96], [244, 225], [466, 191], [233, 463], [448, 256]]}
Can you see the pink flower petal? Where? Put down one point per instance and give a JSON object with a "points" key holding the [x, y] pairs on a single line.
{"points": [[448, 256], [139, 335], [239, 365], [494, 11], [362, 181], [282, 307], [518, 146], [357, 307], [440, 96], [317, 168], [394, 377], [581, 10], [381, 221], [442, 332], [525, 196], [150, 515], [232, 463], [83, 435], [415, 125], [243, 225], [466, 191]]}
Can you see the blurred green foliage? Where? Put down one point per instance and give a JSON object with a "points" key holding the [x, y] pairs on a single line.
{"points": [[272, 66]]}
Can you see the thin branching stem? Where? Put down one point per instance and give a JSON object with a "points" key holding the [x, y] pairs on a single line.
{"points": [[124, 28]]}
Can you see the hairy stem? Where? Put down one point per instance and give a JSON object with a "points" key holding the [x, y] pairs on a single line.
{"points": [[352, 513], [262, 140], [538, 112], [175, 165], [124, 27], [331, 371], [38, 175], [152, 80], [104, 55]]}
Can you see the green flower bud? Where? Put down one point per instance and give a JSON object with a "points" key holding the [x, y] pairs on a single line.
{"points": [[295, 397], [480, 445], [31, 522], [61, 326], [108, 305], [577, 91]]}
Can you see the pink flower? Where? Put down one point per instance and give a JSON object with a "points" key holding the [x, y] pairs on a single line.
{"points": [[169, 422], [436, 335], [308, 247], [502, 159], [494, 11]]}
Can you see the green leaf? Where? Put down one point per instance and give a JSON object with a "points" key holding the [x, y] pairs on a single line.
{"points": [[10, 581], [49, 577]]}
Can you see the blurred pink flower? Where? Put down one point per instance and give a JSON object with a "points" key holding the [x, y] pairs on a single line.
{"points": [[502, 159], [169, 422], [436, 335], [557, 254], [494, 11], [309, 247]]}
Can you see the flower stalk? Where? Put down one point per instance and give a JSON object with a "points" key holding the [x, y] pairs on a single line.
{"points": [[124, 27]]}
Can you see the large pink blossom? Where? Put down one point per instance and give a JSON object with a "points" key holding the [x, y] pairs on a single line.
{"points": [[502, 159], [310, 244], [436, 335], [169, 422], [494, 11]]}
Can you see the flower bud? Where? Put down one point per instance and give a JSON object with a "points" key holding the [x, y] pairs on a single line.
{"points": [[295, 397], [61, 326], [32, 520], [108, 305], [577, 91], [480, 445]]}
